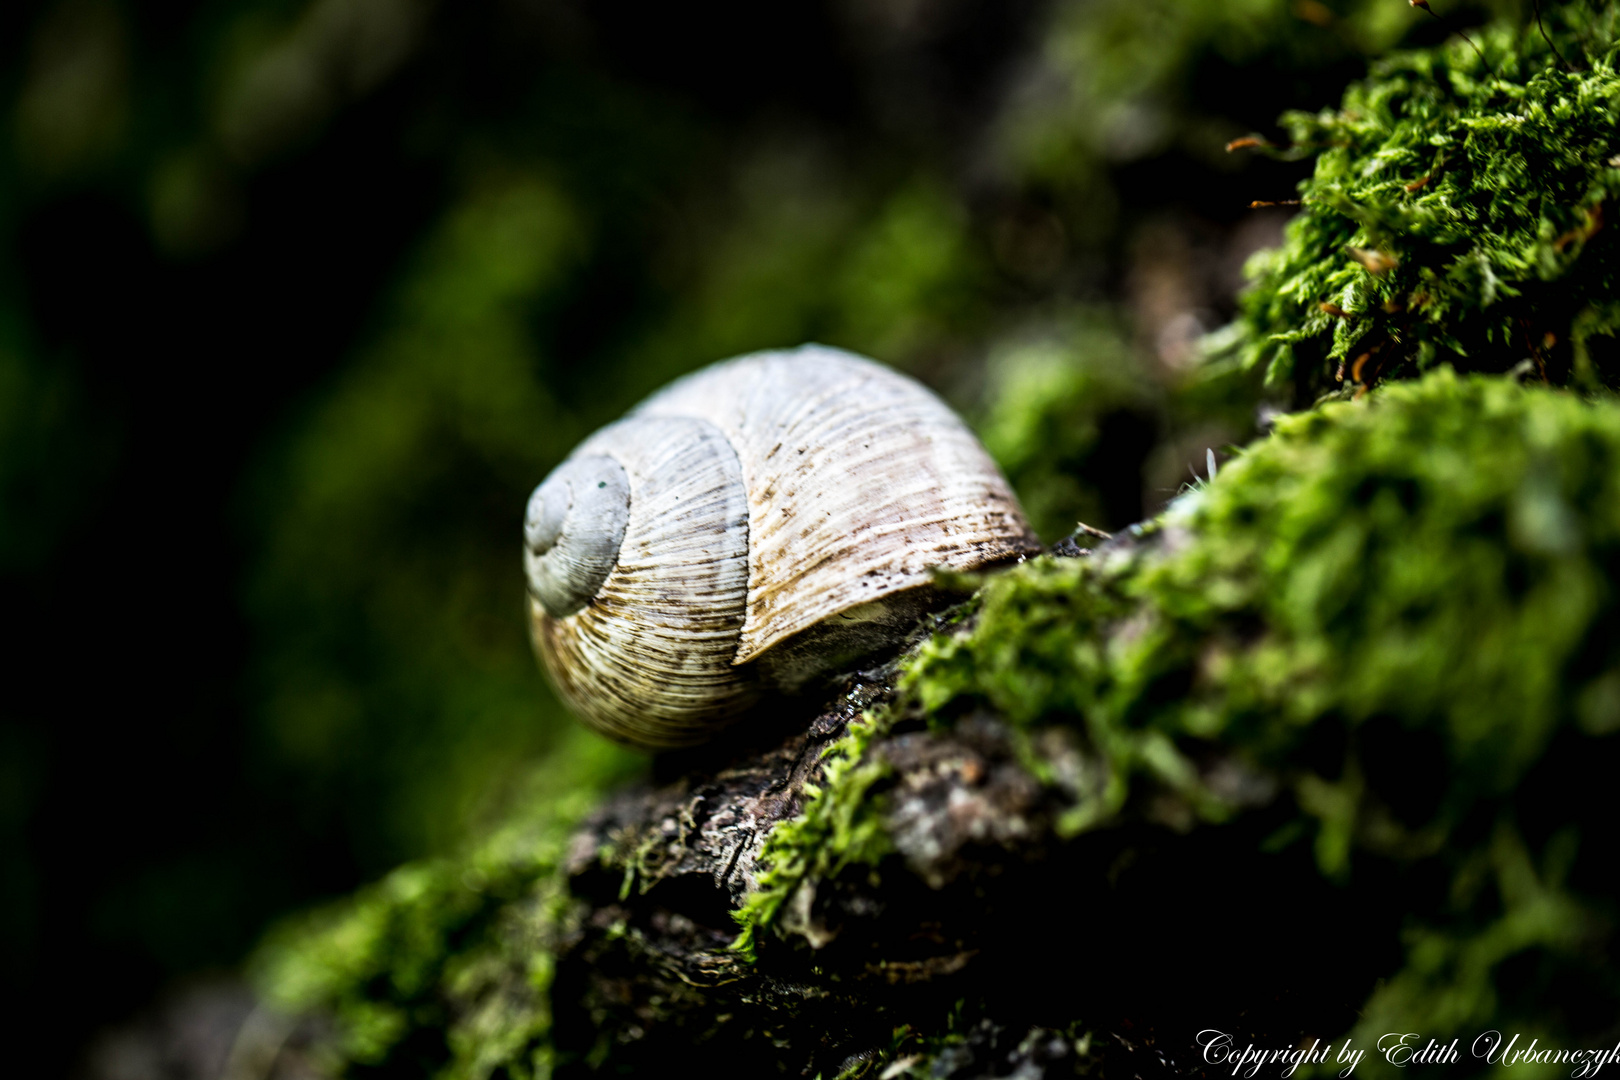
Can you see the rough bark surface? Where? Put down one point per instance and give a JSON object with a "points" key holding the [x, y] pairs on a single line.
{"points": [[1030, 955]]}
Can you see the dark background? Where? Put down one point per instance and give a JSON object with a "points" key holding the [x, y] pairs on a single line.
{"points": [[299, 299]]}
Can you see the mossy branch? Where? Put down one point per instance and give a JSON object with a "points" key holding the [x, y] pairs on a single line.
{"points": [[1355, 697]]}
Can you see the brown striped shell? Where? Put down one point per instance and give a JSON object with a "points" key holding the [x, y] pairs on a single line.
{"points": [[754, 524]]}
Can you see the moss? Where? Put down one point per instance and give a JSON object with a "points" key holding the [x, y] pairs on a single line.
{"points": [[840, 827], [1404, 609], [1333, 569], [1455, 215], [442, 968]]}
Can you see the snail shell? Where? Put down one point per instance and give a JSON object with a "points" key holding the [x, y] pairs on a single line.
{"points": [[750, 526]]}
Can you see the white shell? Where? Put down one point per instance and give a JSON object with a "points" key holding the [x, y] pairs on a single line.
{"points": [[767, 494]]}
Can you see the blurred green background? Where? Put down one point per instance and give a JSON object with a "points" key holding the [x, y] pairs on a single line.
{"points": [[300, 298]]}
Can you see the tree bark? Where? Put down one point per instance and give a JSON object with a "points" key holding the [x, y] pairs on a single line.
{"points": [[984, 945]]}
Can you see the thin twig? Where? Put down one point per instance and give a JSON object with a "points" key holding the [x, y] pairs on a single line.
{"points": [[1535, 5], [1424, 4]]}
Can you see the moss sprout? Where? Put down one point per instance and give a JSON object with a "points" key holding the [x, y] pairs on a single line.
{"points": [[1456, 215]]}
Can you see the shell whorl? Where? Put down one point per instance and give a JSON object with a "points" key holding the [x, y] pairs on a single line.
{"points": [[760, 497], [648, 659], [573, 530]]}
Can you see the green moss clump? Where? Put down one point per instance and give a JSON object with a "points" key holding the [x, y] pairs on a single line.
{"points": [[1404, 610], [443, 967], [1456, 215], [840, 827], [1439, 557]]}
